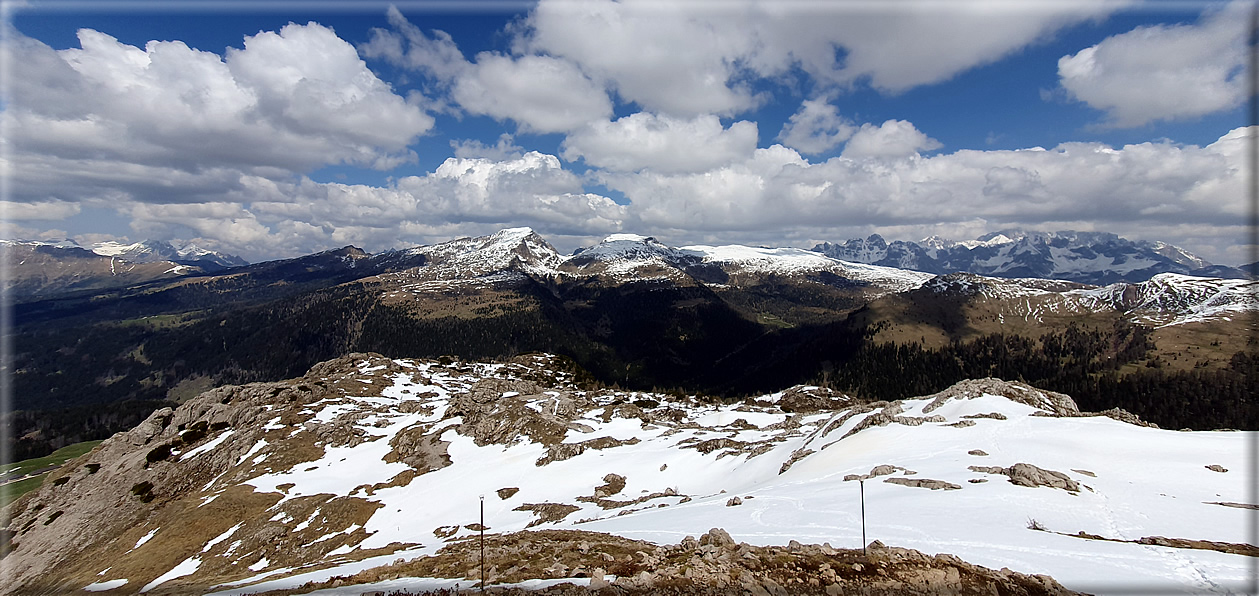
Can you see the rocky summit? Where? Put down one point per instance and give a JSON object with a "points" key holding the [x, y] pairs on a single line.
{"points": [[371, 474]]}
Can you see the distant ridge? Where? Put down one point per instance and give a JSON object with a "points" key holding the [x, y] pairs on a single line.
{"points": [[1097, 258]]}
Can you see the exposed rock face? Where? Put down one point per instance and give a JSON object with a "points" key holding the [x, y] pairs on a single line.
{"points": [[879, 470], [924, 483], [714, 565], [1031, 476], [1049, 401]]}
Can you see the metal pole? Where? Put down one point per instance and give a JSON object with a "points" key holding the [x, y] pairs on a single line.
{"points": [[482, 543], [862, 482]]}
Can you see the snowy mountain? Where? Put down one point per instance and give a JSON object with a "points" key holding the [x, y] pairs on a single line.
{"points": [[1085, 257], [1164, 300], [1171, 299], [38, 269], [158, 250], [367, 474], [511, 254]]}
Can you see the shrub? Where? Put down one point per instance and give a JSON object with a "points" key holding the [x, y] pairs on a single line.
{"points": [[1032, 524]]}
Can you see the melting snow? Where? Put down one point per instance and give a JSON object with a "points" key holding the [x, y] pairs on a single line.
{"points": [[188, 567], [102, 586], [145, 538], [208, 446]]}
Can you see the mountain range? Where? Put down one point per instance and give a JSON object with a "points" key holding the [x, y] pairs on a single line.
{"points": [[38, 269], [721, 320], [1086, 257]]}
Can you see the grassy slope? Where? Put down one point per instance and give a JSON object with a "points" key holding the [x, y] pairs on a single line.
{"points": [[13, 490]]}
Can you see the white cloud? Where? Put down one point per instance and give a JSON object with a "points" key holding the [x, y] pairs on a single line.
{"points": [[295, 99], [38, 211], [691, 58], [1163, 72], [894, 139], [541, 94], [816, 128], [502, 150], [661, 143], [170, 123], [437, 56], [1182, 190], [463, 196], [667, 57]]}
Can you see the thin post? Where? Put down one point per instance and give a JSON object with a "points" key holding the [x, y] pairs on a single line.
{"points": [[862, 482], [482, 543]]}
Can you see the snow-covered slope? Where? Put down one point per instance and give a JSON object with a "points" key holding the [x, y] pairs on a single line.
{"points": [[1172, 299], [503, 256], [629, 257], [1085, 257], [1166, 299], [622, 258], [158, 250], [368, 460], [747, 260]]}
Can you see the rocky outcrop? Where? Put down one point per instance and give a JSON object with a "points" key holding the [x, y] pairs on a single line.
{"points": [[715, 564], [1048, 401], [924, 483], [1031, 476]]}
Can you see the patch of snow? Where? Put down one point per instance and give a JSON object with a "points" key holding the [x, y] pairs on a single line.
{"points": [[252, 450], [208, 446], [189, 566], [102, 586], [145, 538], [221, 537]]}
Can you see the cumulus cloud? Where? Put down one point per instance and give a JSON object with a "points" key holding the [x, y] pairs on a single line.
{"points": [[1159, 185], [692, 58], [541, 94], [463, 196], [892, 140], [296, 99], [661, 143], [1163, 72], [169, 123], [502, 150], [816, 128]]}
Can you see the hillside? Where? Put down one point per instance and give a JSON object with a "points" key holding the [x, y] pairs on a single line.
{"points": [[367, 467], [725, 320]]}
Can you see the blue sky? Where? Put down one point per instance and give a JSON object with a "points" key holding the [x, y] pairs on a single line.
{"points": [[276, 129]]}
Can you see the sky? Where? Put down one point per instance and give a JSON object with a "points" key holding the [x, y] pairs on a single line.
{"points": [[274, 129]]}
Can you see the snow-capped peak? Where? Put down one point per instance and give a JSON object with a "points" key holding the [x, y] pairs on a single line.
{"points": [[624, 237], [997, 240]]}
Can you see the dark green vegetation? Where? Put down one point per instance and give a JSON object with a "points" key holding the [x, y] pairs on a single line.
{"points": [[137, 348], [39, 466], [1087, 364]]}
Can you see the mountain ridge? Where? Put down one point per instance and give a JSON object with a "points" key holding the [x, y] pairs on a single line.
{"points": [[1097, 258], [366, 460]]}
